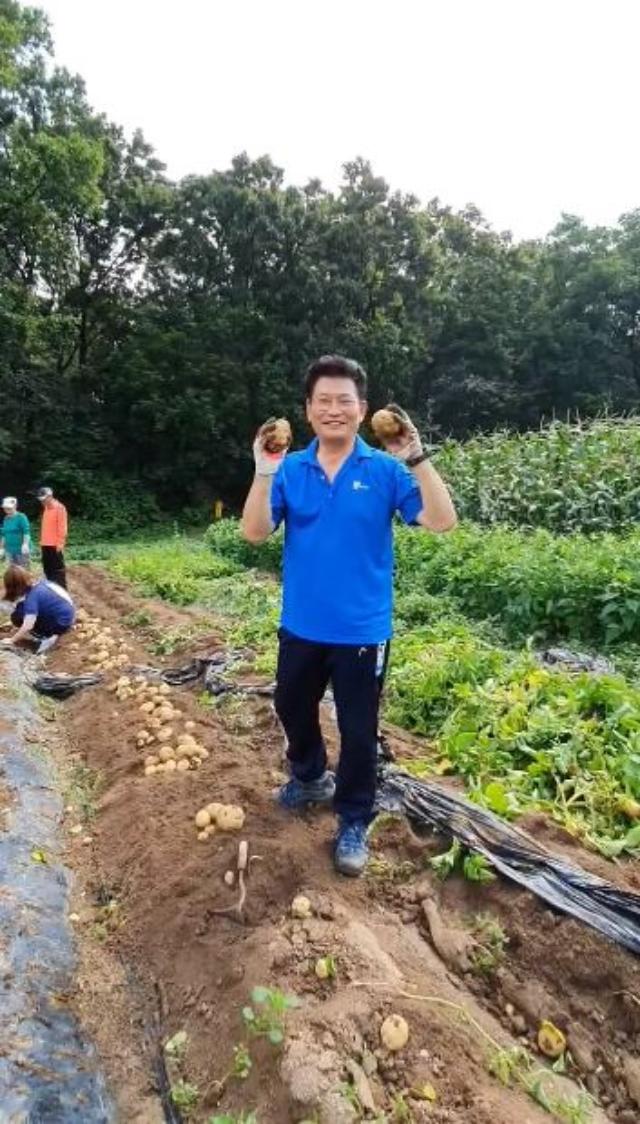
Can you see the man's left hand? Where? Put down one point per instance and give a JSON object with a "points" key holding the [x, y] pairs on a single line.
{"points": [[407, 444]]}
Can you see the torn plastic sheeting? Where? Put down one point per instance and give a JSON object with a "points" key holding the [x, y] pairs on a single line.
{"points": [[575, 661], [48, 1070], [614, 913], [63, 686], [211, 669]]}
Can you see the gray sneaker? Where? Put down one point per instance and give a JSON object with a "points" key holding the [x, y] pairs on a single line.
{"points": [[296, 795]]}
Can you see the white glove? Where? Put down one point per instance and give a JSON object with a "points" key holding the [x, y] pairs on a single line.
{"points": [[25, 548], [267, 463], [407, 445]]}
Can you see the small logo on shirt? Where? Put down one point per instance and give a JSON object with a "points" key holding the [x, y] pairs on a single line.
{"points": [[359, 486]]}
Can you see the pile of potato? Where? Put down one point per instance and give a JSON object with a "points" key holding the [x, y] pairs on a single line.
{"points": [[172, 752], [223, 817], [104, 651]]}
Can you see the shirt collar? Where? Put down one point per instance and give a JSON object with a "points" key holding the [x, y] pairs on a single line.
{"points": [[361, 451]]}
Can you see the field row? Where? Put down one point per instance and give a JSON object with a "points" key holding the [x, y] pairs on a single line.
{"points": [[521, 735]]}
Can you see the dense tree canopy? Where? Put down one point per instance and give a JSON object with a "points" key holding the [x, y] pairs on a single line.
{"points": [[147, 327]]}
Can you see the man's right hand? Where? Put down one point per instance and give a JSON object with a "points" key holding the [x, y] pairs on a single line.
{"points": [[267, 463]]}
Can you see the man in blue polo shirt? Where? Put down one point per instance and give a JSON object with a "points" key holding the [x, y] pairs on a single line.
{"points": [[337, 499]]}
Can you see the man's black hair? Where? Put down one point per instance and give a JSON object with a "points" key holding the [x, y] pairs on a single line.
{"points": [[335, 366]]}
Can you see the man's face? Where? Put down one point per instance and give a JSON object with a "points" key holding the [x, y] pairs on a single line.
{"points": [[9, 510], [334, 410]]}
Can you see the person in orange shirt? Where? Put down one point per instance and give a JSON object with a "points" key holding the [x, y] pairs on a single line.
{"points": [[53, 536]]}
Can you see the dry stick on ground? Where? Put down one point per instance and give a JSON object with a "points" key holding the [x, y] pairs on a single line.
{"points": [[243, 864]]}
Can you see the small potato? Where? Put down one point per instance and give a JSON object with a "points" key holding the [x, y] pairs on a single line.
{"points": [[394, 1033], [385, 424], [183, 753], [202, 836], [165, 733], [164, 689], [167, 753], [279, 438], [151, 760], [230, 817], [213, 810], [182, 765], [301, 907], [160, 768], [186, 739], [203, 819], [189, 726], [164, 713], [149, 770], [146, 708], [170, 766], [196, 762], [142, 733]]}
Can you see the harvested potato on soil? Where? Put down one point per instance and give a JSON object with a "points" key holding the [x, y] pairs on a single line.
{"points": [[183, 765], [230, 817], [394, 1033], [151, 760], [167, 753], [165, 733], [551, 1040], [301, 907], [227, 817], [385, 424], [170, 766], [189, 726]]}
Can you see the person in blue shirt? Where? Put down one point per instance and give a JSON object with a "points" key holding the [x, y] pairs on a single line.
{"points": [[337, 499], [43, 610]]}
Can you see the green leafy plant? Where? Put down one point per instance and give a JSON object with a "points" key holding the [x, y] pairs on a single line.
{"points": [[232, 1118], [492, 944], [184, 1095], [266, 1017], [474, 867]]}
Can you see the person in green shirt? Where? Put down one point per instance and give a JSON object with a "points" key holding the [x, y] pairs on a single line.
{"points": [[15, 534]]}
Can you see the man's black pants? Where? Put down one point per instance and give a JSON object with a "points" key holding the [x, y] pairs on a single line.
{"points": [[356, 674], [54, 566]]}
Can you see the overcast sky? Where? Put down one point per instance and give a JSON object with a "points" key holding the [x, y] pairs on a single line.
{"points": [[525, 107]]}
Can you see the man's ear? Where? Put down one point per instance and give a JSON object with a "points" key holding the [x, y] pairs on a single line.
{"points": [[364, 409]]}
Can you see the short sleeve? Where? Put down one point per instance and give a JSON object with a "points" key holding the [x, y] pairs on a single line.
{"points": [[407, 495], [32, 602], [278, 502]]}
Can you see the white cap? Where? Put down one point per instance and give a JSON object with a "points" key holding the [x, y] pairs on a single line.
{"points": [[9, 501]]}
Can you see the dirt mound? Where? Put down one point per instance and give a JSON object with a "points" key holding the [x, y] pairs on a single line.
{"points": [[473, 969]]}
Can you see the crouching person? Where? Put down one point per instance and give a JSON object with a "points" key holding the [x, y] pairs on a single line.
{"points": [[43, 610]]}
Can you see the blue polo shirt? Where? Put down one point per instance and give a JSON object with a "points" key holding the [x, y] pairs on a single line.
{"points": [[338, 545]]}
